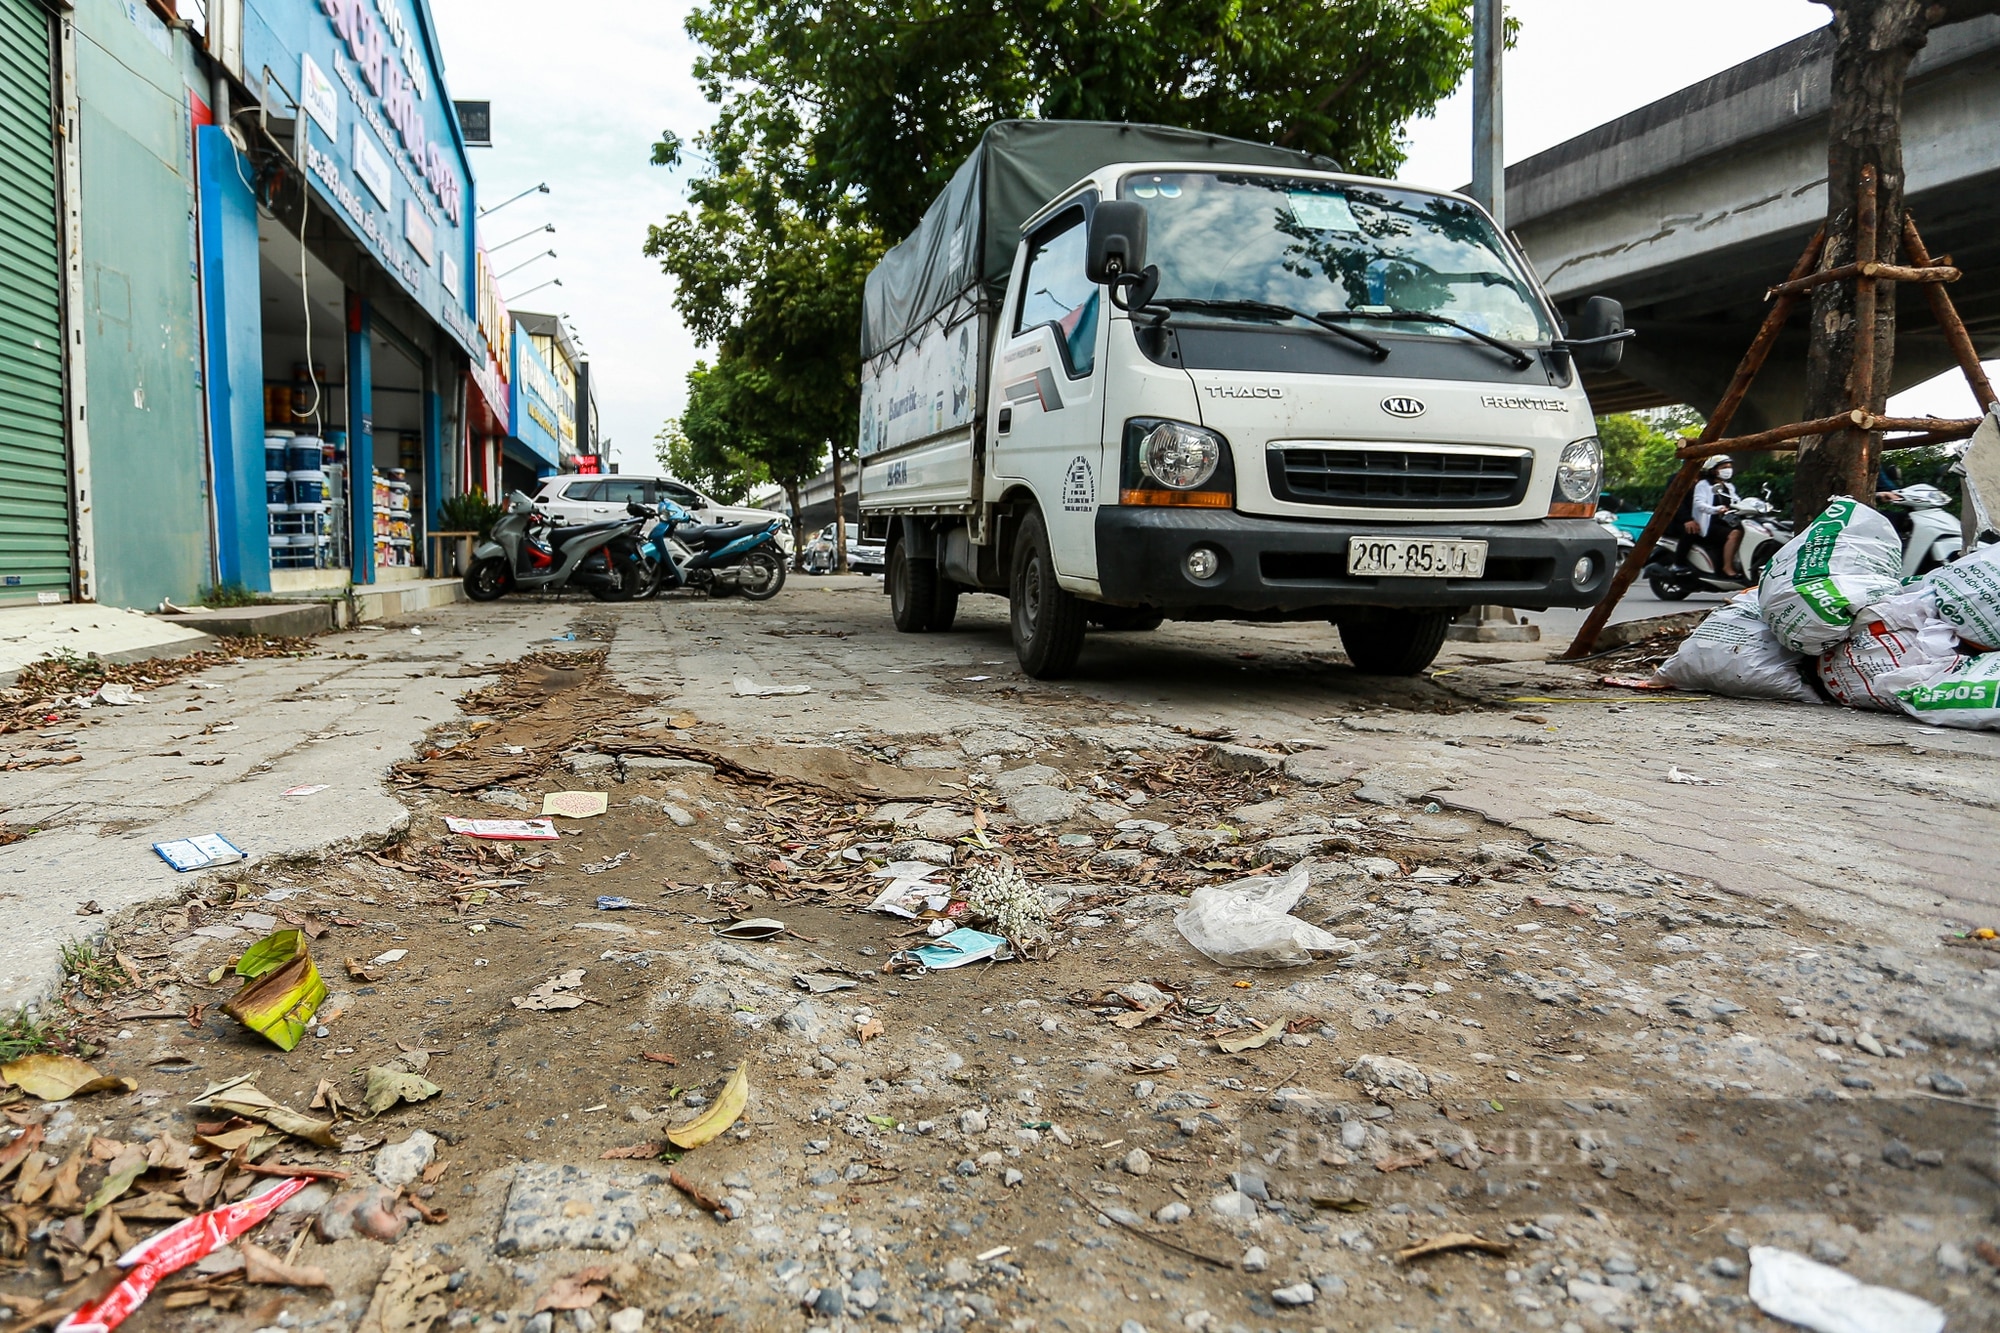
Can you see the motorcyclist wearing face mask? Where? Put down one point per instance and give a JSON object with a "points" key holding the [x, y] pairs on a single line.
{"points": [[1709, 518]]}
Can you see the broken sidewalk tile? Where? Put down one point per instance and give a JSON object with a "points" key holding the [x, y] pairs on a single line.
{"points": [[199, 853], [552, 1206], [282, 989], [750, 689]]}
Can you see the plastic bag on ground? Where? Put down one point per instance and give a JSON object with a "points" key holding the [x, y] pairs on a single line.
{"points": [[1846, 558], [1248, 923], [1967, 696], [1733, 652], [1968, 596], [1827, 1300], [1896, 644]]}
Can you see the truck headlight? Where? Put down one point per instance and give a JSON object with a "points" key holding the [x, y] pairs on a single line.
{"points": [[1180, 456], [1580, 472]]}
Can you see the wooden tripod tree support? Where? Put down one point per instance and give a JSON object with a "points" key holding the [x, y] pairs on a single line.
{"points": [[1784, 296]]}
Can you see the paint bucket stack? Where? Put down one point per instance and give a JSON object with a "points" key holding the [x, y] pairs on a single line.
{"points": [[295, 499]]}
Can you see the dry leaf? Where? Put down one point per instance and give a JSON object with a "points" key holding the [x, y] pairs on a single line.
{"points": [[1416, 1158], [406, 1300], [240, 1096], [637, 1152], [579, 1291], [266, 1269], [387, 1086], [658, 1057], [17, 1152], [57, 1078], [1249, 1041], [870, 1028], [720, 1115], [559, 992], [1139, 1017], [1451, 1240], [64, 1196], [357, 972], [703, 1200]]}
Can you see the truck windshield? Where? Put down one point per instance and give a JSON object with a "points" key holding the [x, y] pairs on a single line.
{"points": [[1363, 251]]}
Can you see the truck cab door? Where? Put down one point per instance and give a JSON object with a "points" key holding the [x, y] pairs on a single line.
{"points": [[1047, 422]]}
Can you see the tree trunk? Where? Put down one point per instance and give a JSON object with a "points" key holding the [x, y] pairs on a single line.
{"points": [[839, 515], [1874, 41], [798, 537]]}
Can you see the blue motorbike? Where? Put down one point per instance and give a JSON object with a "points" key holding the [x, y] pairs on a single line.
{"points": [[722, 559]]}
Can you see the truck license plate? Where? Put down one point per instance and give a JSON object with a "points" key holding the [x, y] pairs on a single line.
{"points": [[1406, 558]]}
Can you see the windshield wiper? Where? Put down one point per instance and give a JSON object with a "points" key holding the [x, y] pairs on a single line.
{"points": [[1375, 349], [1520, 358]]}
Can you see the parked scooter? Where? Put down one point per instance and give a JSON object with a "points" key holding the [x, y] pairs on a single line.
{"points": [[722, 559], [1682, 564], [526, 553], [1922, 517]]}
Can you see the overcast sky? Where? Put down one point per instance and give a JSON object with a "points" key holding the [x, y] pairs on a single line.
{"points": [[579, 97]]}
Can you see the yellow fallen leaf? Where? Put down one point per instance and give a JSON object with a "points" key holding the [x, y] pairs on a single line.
{"points": [[735, 1096], [57, 1078]]}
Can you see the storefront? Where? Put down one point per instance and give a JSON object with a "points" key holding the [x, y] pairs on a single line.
{"points": [[337, 243], [489, 407], [534, 448]]}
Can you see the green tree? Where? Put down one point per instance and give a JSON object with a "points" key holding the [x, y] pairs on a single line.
{"points": [[884, 100]]}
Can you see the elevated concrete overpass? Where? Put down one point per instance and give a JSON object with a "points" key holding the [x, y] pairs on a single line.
{"points": [[1687, 209]]}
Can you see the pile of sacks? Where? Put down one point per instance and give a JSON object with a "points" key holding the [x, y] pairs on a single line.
{"points": [[1833, 622]]}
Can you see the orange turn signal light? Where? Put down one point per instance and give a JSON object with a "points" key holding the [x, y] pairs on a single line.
{"points": [[1191, 499], [1566, 509]]}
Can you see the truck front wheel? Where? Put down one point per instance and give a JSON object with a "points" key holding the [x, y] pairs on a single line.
{"points": [[1047, 621], [1394, 643]]}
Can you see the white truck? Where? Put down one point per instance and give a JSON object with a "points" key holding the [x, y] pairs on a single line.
{"points": [[1121, 373]]}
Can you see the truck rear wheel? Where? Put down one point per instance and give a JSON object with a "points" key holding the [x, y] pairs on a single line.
{"points": [[1394, 643], [1047, 620], [944, 605], [913, 591]]}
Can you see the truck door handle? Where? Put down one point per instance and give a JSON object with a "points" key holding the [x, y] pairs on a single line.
{"points": [[1006, 419]]}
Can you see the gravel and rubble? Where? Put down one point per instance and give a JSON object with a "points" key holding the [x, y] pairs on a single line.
{"points": [[1615, 1074]]}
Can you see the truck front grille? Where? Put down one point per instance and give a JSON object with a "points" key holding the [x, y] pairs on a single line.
{"points": [[1398, 478]]}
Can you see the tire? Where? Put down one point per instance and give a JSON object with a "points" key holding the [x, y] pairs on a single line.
{"points": [[761, 574], [1400, 643], [488, 580], [944, 605], [1048, 622], [1127, 619], [913, 591], [1669, 589]]}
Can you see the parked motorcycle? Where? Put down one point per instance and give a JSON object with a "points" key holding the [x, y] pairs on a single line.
{"points": [[1682, 564], [527, 553], [721, 559], [1931, 534]]}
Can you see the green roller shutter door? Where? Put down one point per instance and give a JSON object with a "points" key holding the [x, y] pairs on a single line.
{"points": [[34, 473]]}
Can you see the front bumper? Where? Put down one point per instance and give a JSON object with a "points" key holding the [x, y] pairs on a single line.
{"points": [[1294, 566]]}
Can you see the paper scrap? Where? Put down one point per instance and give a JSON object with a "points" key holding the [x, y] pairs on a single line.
{"points": [[513, 830], [199, 853], [576, 804]]}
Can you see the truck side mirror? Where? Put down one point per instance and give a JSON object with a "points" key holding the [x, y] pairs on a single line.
{"points": [[1116, 245], [1598, 339]]}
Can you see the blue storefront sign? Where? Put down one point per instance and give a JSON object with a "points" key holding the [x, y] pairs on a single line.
{"points": [[537, 403], [381, 143]]}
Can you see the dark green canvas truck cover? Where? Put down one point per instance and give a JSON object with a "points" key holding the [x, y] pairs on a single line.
{"points": [[968, 234]]}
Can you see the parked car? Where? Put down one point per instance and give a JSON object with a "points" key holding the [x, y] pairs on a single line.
{"points": [[577, 498], [865, 555]]}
